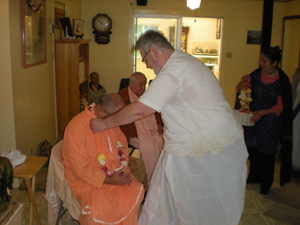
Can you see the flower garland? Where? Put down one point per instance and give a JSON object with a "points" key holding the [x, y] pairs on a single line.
{"points": [[245, 99], [36, 8], [121, 164]]}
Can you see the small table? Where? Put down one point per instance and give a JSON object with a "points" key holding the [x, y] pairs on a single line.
{"points": [[27, 171]]}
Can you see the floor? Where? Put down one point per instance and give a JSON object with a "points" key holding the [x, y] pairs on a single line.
{"points": [[255, 204]]}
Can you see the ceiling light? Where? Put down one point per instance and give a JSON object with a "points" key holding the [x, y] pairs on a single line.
{"points": [[193, 4]]}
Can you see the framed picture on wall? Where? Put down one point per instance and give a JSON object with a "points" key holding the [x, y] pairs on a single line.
{"points": [[59, 13], [254, 37], [33, 32]]}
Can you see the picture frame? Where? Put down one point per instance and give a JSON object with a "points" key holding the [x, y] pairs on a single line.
{"points": [[254, 37], [78, 27], [34, 48], [59, 13]]}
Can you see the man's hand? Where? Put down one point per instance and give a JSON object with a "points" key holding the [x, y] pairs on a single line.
{"points": [[119, 178], [97, 125]]}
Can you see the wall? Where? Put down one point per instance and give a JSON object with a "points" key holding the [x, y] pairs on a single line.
{"points": [[7, 122], [113, 61], [33, 88], [30, 115]]}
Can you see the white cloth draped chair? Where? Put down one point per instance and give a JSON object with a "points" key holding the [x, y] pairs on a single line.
{"points": [[58, 193]]}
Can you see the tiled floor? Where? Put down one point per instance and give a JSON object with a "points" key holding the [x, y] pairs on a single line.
{"points": [[255, 205]]}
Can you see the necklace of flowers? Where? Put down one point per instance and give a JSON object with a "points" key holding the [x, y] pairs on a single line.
{"points": [[36, 8], [121, 164]]}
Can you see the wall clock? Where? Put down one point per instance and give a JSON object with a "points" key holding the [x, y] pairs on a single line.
{"points": [[102, 25]]}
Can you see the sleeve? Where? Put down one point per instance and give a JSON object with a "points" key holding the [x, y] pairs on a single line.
{"points": [[287, 102], [75, 138], [161, 91]]}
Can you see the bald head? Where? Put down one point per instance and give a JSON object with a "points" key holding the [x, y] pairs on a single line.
{"points": [[137, 83], [108, 104]]}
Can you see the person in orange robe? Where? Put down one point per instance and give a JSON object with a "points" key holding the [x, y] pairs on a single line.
{"points": [[96, 168], [144, 134]]}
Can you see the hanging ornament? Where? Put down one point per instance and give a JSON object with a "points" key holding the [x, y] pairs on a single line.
{"points": [[36, 7]]}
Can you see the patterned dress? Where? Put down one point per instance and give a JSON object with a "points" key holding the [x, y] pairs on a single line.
{"points": [[265, 134]]}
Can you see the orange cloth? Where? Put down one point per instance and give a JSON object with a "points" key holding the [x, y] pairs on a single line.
{"points": [[101, 203], [150, 142]]}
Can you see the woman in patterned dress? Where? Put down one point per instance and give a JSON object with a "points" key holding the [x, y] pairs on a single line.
{"points": [[272, 110]]}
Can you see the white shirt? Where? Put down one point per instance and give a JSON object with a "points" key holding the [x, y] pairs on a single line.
{"points": [[196, 115]]}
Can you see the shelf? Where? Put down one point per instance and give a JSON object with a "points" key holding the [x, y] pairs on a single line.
{"points": [[82, 60], [209, 64], [205, 56]]}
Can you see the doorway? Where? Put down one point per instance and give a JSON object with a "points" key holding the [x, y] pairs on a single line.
{"points": [[200, 37]]}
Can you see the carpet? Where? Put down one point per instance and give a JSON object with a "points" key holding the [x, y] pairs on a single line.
{"points": [[284, 213], [287, 205], [289, 196], [40, 180]]}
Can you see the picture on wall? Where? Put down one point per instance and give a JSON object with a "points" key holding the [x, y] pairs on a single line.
{"points": [[254, 37], [59, 13], [33, 33]]}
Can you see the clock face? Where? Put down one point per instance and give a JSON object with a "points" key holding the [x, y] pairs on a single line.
{"points": [[102, 23]]}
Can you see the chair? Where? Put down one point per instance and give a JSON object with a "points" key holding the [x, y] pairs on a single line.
{"points": [[123, 83], [58, 193]]}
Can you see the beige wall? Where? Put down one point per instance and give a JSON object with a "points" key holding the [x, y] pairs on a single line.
{"points": [[28, 94], [113, 61], [7, 122]]}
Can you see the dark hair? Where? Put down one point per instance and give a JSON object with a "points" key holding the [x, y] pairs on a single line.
{"points": [[91, 74], [272, 53], [152, 38]]}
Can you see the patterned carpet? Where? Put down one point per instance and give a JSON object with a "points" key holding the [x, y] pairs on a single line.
{"points": [[256, 207]]}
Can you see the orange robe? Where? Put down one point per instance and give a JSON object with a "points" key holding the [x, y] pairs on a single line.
{"points": [[100, 203]]}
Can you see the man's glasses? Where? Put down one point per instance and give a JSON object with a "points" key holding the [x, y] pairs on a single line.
{"points": [[143, 59]]}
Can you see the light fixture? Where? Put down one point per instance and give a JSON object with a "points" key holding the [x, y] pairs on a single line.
{"points": [[193, 4]]}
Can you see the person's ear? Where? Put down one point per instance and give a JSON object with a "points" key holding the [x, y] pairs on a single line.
{"points": [[154, 53]]}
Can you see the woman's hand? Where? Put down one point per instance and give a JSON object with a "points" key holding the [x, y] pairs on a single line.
{"points": [[97, 125], [119, 178], [256, 116], [242, 83]]}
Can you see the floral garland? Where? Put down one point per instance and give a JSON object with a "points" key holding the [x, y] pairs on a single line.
{"points": [[36, 8], [121, 164], [245, 99]]}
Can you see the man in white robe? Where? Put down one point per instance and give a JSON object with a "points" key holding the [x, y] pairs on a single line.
{"points": [[200, 177]]}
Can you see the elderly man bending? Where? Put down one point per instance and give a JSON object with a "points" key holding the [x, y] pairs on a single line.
{"points": [[144, 134], [96, 168], [200, 176]]}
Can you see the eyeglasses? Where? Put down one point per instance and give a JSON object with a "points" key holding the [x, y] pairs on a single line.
{"points": [[143, 59]]}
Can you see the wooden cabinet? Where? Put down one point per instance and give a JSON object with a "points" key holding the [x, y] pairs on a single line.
{"points": [[72, 79]]}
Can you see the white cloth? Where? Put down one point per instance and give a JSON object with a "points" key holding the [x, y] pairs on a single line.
{"points": [[200, 177], [57, 188], [296, 122], [196, 115], [205, 190]]}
